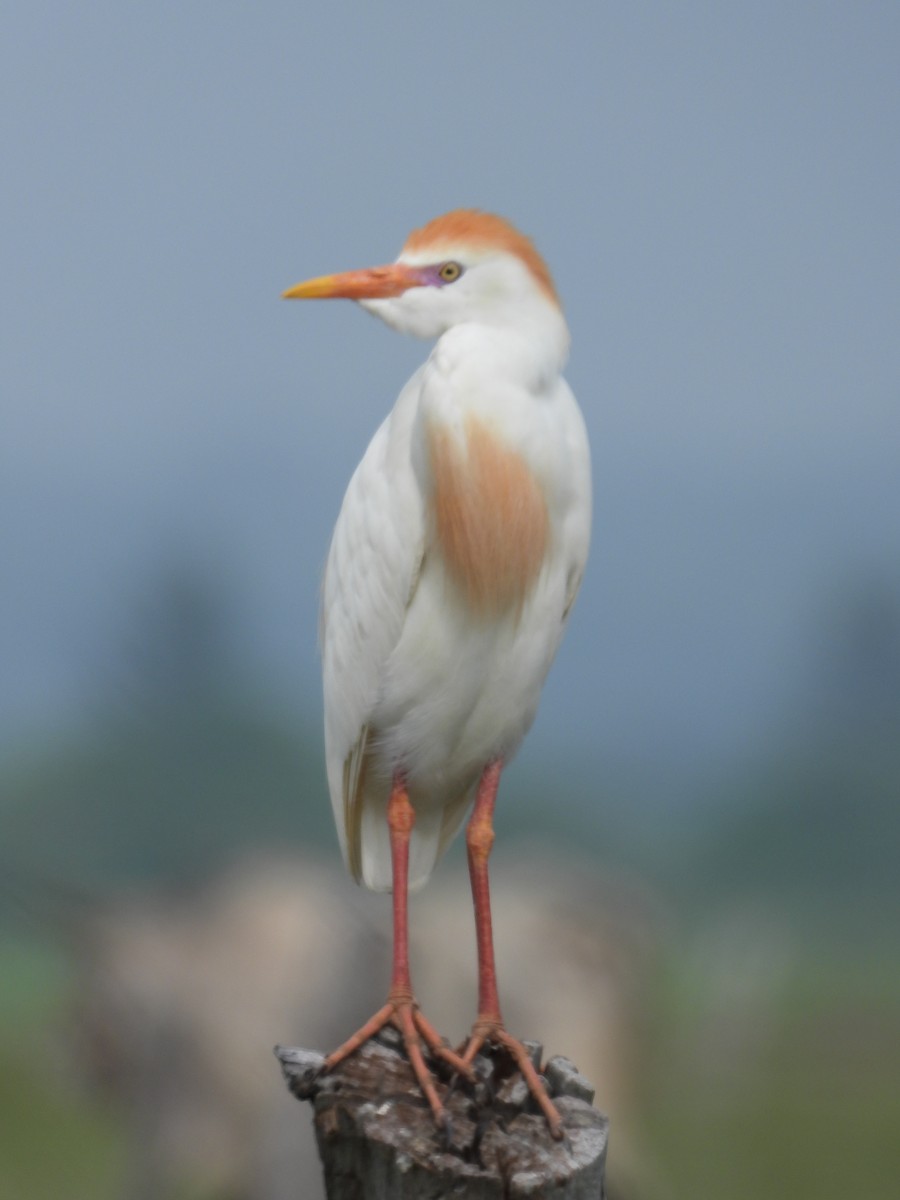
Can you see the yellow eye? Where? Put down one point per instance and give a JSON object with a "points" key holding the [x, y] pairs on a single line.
{"points": [[450, 271]]}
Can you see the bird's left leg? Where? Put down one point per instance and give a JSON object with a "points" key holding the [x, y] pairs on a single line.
{"points": [[401, 1009], [489, 1025]]}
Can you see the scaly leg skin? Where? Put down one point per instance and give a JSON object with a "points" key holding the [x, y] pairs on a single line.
{"points": [[489, 1025], [401, 1009]]}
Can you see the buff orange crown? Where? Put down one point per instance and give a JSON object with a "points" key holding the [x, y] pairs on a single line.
{"points": [[470, 227]]}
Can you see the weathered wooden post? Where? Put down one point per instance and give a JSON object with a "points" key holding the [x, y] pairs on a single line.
{"points": [[377, 1138]]}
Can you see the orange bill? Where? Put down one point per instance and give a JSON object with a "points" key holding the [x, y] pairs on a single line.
{"points": [[373, 283]]}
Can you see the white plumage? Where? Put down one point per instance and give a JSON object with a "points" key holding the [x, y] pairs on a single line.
{"points": [[413, 678], [457, 555], [408, 670]]}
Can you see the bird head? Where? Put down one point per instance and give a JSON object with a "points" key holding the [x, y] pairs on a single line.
{"points": [[464, 266]]}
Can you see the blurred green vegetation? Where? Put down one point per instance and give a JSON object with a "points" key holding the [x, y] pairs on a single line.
{"points": [[813, 1113], [53, 1141], [773, 1052]]}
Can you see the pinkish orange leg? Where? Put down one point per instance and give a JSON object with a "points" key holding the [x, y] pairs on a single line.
{"points": [[401, 1009], [489, 1025]]}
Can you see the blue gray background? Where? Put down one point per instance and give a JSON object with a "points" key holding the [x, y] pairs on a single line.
{"points": [[716, 191], [715, 187]]}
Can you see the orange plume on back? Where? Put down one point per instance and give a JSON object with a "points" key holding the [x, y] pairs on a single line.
{"points": [[482, 231]]}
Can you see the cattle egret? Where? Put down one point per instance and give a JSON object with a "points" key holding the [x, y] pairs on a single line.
{"points": [[454, 564]]}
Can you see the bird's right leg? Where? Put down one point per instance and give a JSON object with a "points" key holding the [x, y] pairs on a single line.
{"points": [[401, 1009]]}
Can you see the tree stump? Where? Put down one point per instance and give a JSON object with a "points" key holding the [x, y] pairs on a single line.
{"points": [[378, 1141]]}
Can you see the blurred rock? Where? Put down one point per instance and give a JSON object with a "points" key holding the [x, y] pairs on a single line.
{"points": [[181, 998]]}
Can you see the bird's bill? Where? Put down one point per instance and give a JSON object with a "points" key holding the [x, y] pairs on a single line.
{"points": [[374, 283]]}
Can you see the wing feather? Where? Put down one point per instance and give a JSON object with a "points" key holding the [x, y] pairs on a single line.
{"points": [[371, 574]]}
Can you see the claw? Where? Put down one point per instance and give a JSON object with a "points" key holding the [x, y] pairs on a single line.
{"points": [[403, 1013], [493, 1030]]}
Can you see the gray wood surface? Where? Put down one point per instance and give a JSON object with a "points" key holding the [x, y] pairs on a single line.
{"points": [[377, 1138]]}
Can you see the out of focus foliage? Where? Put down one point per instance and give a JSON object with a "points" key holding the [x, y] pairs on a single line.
{"points": [[770, 1070]]}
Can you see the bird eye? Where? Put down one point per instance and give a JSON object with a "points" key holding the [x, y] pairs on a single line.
{"points": [[450, 271]]}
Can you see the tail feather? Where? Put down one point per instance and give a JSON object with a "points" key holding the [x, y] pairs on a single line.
{"points": [[425, 844], [360, 798]]}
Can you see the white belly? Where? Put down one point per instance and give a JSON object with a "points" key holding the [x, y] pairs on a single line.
{"points": [[460, 691]]}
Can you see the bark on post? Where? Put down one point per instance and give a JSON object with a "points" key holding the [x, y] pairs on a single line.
{"points": [[377, 1139]]}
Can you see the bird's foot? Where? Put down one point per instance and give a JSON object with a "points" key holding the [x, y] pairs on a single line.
{"points": [[403, 1013], [492, 1029]]}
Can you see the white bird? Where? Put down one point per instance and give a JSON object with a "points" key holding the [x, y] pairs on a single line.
{"points": [[456, 558]]}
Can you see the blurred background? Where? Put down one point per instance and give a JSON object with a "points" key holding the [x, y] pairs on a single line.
{"points": [[700, 837]]}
